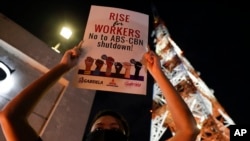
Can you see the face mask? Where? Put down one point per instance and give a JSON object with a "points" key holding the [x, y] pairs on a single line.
{"points": [[106, 135]]}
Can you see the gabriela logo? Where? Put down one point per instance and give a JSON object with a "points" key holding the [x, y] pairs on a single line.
{"points": [[82, 80], [132, 84]]}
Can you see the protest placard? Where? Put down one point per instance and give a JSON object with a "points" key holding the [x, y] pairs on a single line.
{"points": [[115, 40]]}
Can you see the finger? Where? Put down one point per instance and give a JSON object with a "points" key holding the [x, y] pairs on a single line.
{"points": [[80, 44], [78, 47], [75, 52], [148, 48]]}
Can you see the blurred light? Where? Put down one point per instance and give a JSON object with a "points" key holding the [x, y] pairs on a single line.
{"points": [[66, 32], [55, 48], [4, 72], [6, 81], [199, 126]]}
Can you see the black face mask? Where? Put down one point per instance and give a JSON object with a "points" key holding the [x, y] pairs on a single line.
{"points": [[106, 135]]}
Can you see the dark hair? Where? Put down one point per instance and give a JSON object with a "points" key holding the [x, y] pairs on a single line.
{"points": [[114, 114]]}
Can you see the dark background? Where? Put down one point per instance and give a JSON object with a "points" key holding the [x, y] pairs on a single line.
{"points": [[214, 36]]}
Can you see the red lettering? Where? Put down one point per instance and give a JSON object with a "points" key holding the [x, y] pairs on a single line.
{"points": [[117, 30], [112, 30], [131, 32], [119, 17], [125, 31], [98, 28], [137, 34]]}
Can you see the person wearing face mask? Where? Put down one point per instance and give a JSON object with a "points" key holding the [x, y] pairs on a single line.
{"points": [[107, 126]]}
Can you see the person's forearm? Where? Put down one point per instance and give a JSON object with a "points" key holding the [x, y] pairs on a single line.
{"points": [[179, 110], [25, 101]]}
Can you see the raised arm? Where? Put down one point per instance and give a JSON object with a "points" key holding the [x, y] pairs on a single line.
{"points": [[14, 115], [186, 128]]}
